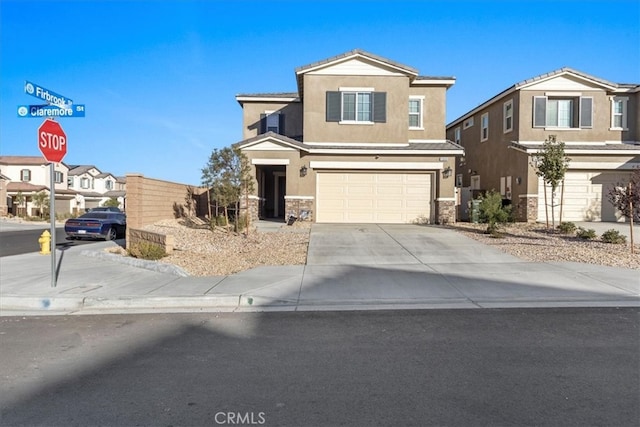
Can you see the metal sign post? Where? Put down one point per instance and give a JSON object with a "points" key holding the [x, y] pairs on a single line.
{"points": [[52, 215]]}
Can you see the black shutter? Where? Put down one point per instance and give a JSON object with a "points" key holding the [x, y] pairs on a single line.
{"points": [[334, 109], [586, 112], [539, 111], [263, 124], [281, 124], [379, 107]]}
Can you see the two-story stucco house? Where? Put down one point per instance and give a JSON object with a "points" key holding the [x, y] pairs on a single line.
{"points": [[94, 187], [362, 140], [596, 119], [25, 176]]}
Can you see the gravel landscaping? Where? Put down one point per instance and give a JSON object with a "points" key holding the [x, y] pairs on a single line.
{"points": [[201, 252]]}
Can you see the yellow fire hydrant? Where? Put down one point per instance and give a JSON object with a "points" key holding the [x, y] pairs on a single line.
{"points": [[45, 242]]}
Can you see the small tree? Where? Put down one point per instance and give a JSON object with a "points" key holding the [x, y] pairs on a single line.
{"points": [[551, 165], [625, 197], [228, 175], [40, 200], [492, 212], [20, 199], [112, 202]]}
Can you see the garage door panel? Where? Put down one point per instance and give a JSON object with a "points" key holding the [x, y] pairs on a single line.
{"points": [[371, 197]]}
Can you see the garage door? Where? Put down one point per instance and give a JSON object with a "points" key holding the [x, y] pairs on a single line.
{"points": [[585, 197], [392, 198]]}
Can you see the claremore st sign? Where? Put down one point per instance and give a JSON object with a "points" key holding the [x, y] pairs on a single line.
{"points": [[41, 111]]}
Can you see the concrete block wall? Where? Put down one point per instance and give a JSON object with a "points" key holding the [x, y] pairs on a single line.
{"points": [[135, 236]]}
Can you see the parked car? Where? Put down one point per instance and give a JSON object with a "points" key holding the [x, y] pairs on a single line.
{"points": [[97, 224], [105, 209]]}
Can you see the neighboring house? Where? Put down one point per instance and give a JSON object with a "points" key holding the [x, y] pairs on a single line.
{"points": [[4, 199], [362, 140], [596, 119], [93, 187], [29, 175]]}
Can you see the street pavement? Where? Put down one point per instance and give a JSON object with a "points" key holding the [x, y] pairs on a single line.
{"points": [[349, 267]]}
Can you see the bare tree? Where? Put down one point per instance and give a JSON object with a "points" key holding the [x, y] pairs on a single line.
{"points": [[625, 197]]}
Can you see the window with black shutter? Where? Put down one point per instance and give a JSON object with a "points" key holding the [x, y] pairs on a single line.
{"points": [[356, 106]]}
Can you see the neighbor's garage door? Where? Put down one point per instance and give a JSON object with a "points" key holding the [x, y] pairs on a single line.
{"points": [[373, 197], [585, 197]]}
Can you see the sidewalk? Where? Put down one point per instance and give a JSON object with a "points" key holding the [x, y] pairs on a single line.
{"points": [[464, 274]]}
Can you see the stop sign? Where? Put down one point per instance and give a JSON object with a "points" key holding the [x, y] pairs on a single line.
{"points": [[52, 141]]}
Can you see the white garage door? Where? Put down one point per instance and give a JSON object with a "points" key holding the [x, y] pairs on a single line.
{"points": [[391, 198], [585, 197]]}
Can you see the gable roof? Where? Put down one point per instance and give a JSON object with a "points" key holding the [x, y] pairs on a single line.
{"points": [[273, 137], [605, 84], [80, 169], [23, 160]]}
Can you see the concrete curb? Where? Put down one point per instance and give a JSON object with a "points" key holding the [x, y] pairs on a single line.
{"points": [[159, 267]]}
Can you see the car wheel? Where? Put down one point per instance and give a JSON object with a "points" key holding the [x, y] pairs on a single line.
{"points": [[111, 234]]}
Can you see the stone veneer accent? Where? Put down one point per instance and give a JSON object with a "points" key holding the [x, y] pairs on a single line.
{"points": [[446, 211], [255, 204], [301, 207], [136, 236], [527, 209]]}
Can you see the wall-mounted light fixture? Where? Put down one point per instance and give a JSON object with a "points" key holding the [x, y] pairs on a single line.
{"points": [[303, 171], [446, 173], [518, 180]]}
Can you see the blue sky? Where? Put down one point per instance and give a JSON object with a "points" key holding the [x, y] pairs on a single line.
{"points": [[159, 78]]}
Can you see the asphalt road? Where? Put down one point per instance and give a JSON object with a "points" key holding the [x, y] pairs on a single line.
{"points": [[16, 242], [569, 367]]}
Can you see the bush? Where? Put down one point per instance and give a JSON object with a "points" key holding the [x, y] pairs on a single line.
{"points": [[147, 250], [567, 228], [586, 234], [492, 212], [613, 236]]}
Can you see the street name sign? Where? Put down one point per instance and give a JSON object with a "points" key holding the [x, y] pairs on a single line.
{"points": [[41, 111], [52, 141], [46, 95]]}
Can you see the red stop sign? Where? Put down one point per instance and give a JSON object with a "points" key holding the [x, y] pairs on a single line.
{"points": [[52, 141]]}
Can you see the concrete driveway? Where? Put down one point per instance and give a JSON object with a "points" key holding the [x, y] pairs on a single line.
{"points": [[374, 244]]}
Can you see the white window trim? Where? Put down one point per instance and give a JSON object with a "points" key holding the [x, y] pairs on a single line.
{"points": [[420, 112], [505, 117], [467, 123], [26, 172], [624, 100], [483, 127], [457, 135], [356, 92]]}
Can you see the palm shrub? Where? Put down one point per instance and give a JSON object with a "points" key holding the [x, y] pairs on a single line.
{"points": [[492, 212], [567, 227], [613, 236], [586, 234]]}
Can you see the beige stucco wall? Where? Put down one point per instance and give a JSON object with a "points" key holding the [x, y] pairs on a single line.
{"points": [[433, 113], [251, 112], [317, 129]]}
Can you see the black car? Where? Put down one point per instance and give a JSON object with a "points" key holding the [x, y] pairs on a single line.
{"points": [[97, 224]]}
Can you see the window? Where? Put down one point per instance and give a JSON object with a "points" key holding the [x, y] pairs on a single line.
{"points": [[468, 123], [58, 177], [484, 127], [562, 112], [508, 116], [619, 113], [415, 112], [25, 175], [272, 122], [356, 106], [69, 181], [456, 135], [85, 183], [108, 184]]}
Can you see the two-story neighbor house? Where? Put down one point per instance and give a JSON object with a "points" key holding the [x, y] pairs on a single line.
{"points": [[94, 187], [596, 119], [362, 140], [25, 176]]}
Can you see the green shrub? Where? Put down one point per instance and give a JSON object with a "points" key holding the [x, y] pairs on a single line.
{"points": [[147, 250], [567, 228], [492, 212], [586, 234], [613, 236]]}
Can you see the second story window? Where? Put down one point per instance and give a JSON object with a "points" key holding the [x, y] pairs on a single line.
{"points": [[85, 183], [25, 175], [508, 116], [619, 113], [58, 177], [456, 135], [271, 121], [415, 112], [108, 184], [484, 127], [562, 112], [356, 106]]}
